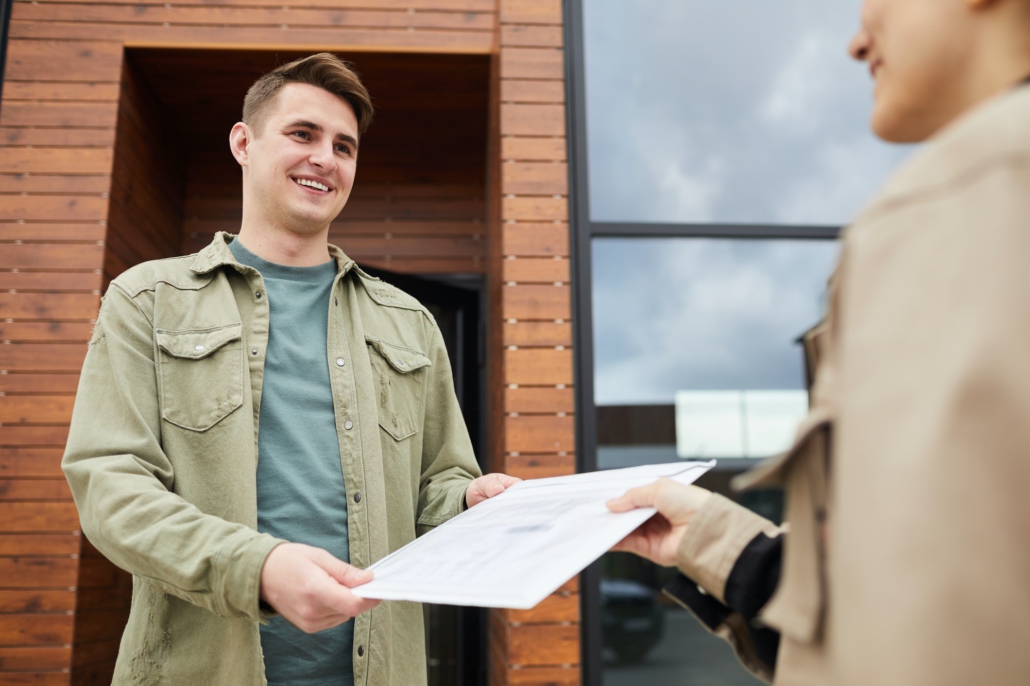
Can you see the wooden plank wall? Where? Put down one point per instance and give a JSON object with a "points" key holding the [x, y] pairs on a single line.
{"points": [[531, 333], [56, 134], [57, 148]]}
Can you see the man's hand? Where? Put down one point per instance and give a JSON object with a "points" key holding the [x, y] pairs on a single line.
{"points": [[659, 538], [310, 587], [487, 487]]}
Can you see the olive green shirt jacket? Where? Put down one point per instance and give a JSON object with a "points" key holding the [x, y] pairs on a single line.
{"points": [[162, 458]]}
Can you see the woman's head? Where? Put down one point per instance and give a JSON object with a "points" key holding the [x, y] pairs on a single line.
{"points": [[934, 59]]}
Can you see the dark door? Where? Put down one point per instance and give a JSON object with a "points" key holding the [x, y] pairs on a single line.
{"points": [[455, 636]]}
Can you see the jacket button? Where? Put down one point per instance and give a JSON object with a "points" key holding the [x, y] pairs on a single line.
{"points": [[199, 348], [340, 361], [361, 651], [335, 301], [254, 351], [349, 426], [357, 497], [258, 295]]}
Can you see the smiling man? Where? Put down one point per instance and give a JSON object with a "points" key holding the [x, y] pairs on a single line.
{"points": [[260, 421]]}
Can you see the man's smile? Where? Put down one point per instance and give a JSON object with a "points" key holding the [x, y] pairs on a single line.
{"points": [[312, 183]]}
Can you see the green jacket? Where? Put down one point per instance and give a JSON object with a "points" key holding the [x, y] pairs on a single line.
{"points": [[162, 458]]}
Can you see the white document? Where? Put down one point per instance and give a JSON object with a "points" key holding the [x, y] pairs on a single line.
{"points": [[517, 548]]}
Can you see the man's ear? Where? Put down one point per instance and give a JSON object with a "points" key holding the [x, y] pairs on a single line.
{"points": [[239, 142]]}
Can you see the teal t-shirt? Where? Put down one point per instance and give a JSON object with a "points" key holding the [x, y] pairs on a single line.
{"points": [[300, 491]]}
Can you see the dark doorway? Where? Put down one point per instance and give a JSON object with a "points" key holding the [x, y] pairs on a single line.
{"points": [[456, 636]]}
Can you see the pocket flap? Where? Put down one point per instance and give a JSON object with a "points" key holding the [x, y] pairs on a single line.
{"points": [[194, 345], [402, 359]]}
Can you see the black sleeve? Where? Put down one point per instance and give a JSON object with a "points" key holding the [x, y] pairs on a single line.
{"points": [[751, 584], [755, 576]]}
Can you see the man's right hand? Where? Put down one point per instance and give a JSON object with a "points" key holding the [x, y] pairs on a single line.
{"points": [[311, 588]]}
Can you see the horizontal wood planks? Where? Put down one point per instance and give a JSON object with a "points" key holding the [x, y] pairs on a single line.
{"points": [[531, 332], [56, 134], [456, 83], [446, 26]]}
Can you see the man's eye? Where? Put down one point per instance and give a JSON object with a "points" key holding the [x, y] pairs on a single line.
{"points": [[302, 134], [344, 149]]}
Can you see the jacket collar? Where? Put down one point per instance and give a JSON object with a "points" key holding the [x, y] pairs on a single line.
{"points": [[217, 254]]}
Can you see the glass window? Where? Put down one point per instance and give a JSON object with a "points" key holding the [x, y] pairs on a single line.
{"points": [[736, 111], [696, 355]]}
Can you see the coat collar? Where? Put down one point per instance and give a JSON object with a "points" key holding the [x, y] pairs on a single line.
{"points": [[217, 254]]}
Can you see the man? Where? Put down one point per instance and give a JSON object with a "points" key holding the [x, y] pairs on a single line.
{"points": [[906, 560], [254, 419]]}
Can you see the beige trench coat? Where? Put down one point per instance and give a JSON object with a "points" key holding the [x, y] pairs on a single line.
{"points": [[916, 452]]}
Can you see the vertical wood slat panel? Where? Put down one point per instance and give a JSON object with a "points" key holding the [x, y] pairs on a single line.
{"points": [[531, 341]]}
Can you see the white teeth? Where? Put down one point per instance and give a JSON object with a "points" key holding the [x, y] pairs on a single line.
{"points": [[313, 184]]}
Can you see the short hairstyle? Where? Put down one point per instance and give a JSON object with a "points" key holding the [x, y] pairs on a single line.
{"points": [[324, 70]]}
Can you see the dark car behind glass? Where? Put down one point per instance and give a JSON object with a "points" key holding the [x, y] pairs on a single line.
{"points": [[632, 619]]}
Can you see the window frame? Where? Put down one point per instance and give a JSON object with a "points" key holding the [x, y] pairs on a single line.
{"points": [[582, 230]]}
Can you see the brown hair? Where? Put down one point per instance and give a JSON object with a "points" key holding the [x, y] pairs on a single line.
{"points": [[324, 70]]}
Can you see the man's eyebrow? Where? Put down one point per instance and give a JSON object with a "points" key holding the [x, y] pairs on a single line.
{"points": [[305, 124], [347, 139]]}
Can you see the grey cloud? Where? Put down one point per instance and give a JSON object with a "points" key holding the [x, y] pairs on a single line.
{"points": [[702, 314], [731, 111]]}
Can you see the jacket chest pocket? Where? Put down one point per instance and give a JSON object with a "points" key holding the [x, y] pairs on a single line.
{"points": [[399, 374], [201, 375]]}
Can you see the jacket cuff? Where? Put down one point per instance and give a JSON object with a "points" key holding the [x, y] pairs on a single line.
{"points": [[237, 575], [715, 538]]}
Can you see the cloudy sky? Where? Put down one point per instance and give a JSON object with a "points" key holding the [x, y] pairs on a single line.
{"points": [[738, 111], [676, 314]]}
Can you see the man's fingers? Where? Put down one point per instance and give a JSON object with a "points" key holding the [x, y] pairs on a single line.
{"points": [[343, 573], [488, 486], [352, 576], [341, 601], [496, 484], [644, 496]]}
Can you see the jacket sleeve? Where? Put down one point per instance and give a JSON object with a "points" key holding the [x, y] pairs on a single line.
{"points": [[730, 563], [123, 483], [448, 461]]}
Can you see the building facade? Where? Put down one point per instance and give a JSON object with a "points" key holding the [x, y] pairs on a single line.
{"points": [[113, 129]]}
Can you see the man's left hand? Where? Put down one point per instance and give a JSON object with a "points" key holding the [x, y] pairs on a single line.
{"points": [[488, 486]]}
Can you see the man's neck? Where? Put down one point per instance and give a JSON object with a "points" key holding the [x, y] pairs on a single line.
{"points": [[285, 247]]}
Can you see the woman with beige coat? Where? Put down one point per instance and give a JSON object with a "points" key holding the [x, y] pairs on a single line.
{"points": [[908, 487]]}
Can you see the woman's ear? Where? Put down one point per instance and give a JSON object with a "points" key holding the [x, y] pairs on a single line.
{"points": [[239, 142]]}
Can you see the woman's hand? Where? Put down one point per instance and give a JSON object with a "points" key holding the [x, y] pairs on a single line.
{"points": [[659, 538]]}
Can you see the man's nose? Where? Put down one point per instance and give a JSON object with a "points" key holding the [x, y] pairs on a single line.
{"points": [[324, 157]]}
